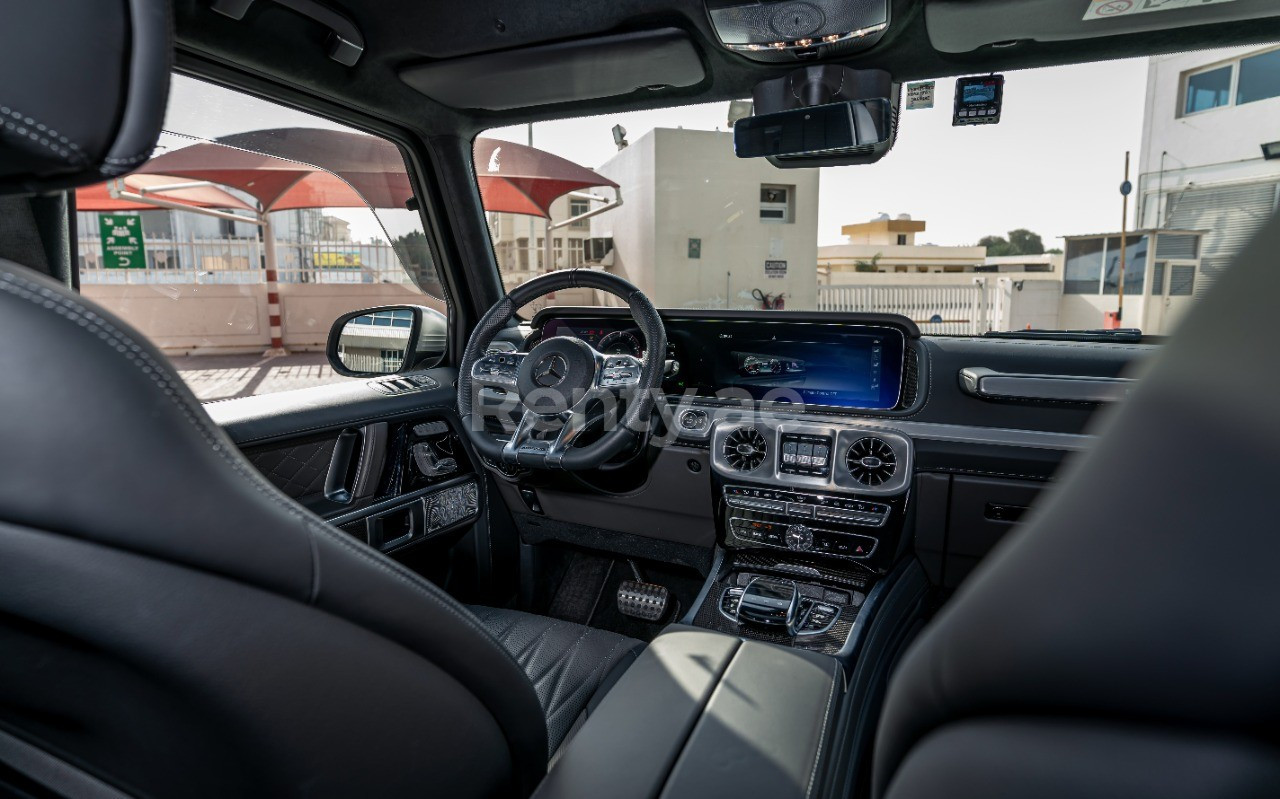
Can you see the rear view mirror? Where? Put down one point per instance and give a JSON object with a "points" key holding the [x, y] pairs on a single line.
{"points": [[853, 127], [386, 340]]}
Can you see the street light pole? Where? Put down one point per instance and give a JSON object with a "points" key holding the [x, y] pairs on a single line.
{"points": [[1125, 189]]}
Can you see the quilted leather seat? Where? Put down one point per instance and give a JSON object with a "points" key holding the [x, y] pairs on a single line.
{"points": [[571, 666]]}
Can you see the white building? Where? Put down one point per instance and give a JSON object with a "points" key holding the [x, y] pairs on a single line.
{"points": [[701, 228], [1160, 269], [1208, 116]]}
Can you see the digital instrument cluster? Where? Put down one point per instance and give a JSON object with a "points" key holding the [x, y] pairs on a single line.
{"points": [[820, 364]]}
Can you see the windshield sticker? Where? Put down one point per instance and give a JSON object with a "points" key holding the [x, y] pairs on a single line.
{"points": [[920, 95], [1105, 9]]}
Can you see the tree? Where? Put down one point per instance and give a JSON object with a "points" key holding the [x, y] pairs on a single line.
{"points": [[1020, 242], [868, 266], [996, 245], [1024, 242]]}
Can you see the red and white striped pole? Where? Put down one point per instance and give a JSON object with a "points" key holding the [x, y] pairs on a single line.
{"points": [[273, 289]]}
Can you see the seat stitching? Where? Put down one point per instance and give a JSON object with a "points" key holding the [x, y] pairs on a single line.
{"points": [[822, 734], [566, 660], [533, 642], [607, 658], [37, 132], [136, 355]]}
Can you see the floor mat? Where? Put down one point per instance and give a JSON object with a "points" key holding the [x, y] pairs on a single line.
{"points": [[580, 589]]}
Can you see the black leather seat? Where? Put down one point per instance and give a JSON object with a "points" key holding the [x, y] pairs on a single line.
{"points": [[171, 624], [1124, 642], [571, 666]]}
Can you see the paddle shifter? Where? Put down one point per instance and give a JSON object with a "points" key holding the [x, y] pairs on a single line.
{"points": [[771, 603]]}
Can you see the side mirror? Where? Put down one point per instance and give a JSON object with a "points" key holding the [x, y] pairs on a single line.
{"points": [[386, 340]]}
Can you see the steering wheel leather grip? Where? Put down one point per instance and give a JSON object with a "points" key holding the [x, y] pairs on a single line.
{"points": [[560, 362]]}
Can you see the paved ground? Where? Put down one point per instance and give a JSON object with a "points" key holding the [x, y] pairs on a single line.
{"points": [[214, 377]]}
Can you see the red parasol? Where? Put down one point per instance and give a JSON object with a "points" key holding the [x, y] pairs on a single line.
{"points": [[287, 168], [98, 197], [520, 179]]}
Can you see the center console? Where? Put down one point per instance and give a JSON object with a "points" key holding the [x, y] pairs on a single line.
{"points": [[810, 515]]}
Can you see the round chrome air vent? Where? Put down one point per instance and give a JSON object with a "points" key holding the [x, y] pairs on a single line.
{"points": [[871, 461], [745, 449]]}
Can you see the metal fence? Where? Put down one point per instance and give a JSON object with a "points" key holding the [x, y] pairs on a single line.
{"points": [[239, 260], [942, 310]]}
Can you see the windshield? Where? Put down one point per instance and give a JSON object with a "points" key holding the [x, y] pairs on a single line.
{"points": [[965, 229]]}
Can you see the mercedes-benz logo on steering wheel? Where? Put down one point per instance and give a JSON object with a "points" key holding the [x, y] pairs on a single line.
{"points": [[550, 371]]}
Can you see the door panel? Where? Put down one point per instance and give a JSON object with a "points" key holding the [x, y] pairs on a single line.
{"points": [[392, 470]]}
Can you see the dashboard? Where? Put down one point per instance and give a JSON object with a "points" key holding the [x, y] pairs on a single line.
{"points": [[821, 364]]}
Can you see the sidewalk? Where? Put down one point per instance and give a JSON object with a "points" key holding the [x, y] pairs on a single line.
{"points": [[214, 377]]}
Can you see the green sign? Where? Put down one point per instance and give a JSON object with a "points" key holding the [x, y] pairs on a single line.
{"points": [[122, 246], [695, 248]]}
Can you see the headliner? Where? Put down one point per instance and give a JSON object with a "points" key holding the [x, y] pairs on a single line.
{"points": [[279, 45]]}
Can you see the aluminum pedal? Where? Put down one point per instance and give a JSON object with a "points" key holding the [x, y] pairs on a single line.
{"points": [[640, 600]]}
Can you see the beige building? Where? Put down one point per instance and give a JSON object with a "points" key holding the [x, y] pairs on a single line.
{"points": [[519, 240], [701, 228], [889, 245]]}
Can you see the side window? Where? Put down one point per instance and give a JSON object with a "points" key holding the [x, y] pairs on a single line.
{"points": [[252, 228]]}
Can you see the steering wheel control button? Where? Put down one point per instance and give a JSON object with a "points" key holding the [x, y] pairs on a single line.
{"points": [[497, 370]]}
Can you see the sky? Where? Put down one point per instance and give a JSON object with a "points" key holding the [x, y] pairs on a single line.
{"points": [[1053, 164]]}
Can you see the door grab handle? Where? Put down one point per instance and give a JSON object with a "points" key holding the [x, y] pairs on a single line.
{"points": [[346, 43], [336, 488]]}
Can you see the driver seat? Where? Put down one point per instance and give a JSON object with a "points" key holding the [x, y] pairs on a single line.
{"points": [[170, 623]]}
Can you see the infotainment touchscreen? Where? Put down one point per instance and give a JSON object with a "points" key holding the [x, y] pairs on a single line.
{"points": [[834, 365]]}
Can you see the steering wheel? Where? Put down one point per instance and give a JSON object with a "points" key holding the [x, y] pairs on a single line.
{"points": [[558, 379]]}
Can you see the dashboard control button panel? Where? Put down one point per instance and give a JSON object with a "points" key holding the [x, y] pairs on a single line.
{"points": [[802, 538], [816, 507], [815, 524]]}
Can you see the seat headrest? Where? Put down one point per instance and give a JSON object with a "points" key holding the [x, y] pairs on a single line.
{"points": [[83, 86]]}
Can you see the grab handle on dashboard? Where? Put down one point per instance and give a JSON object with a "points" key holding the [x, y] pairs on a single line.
{"points": [[988, 384]]}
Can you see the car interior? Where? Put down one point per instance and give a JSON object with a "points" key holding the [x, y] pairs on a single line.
{"points": [[544, 555]]}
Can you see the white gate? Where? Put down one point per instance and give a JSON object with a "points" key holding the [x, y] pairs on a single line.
{"points": [[941, 310]]}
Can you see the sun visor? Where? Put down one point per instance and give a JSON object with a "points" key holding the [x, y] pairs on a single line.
{"points": [[584, 69], [960, 26]]}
